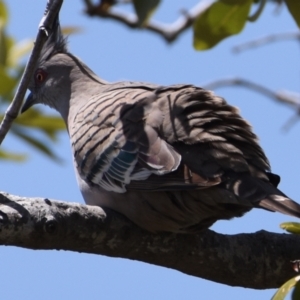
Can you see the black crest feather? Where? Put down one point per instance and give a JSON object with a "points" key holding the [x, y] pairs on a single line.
{"points": [[56, 43]]}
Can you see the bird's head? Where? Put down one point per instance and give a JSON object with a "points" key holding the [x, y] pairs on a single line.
{"points": [[60, 77], [51, 80]]}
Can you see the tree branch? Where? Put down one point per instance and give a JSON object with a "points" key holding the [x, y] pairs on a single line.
{"points": [[53, 7], [169, 32], [260, 260], [293, 100], [266, 40]]}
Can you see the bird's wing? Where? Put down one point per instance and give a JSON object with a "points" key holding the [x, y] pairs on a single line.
{"points": [[213, 140], [186, 135], [113, 141]]}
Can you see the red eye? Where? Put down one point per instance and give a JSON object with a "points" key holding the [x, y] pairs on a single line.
{"points": [[40, 76]]}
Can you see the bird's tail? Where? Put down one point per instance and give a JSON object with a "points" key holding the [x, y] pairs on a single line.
{"points": [[281, 204], [264, 194]]}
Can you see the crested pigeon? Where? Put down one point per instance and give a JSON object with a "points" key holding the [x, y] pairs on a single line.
{"points": [[170, 158]]}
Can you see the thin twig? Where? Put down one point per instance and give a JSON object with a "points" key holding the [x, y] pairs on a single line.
{"points": [[256, 15], [266, 40], [292, 100], [291, 122], [52, 9], [282, 97], [168, 31]]}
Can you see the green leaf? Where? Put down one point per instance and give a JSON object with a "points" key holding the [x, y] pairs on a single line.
{"points": [[17, 51], [296, 291], [5, 42], [3, 14], [7, 83], [35, 143], [68, 30], [144, 10], [285, 288], [294, 8], [292, 227], [3, 46], [12, 156], [50, 125], [222, 19]]}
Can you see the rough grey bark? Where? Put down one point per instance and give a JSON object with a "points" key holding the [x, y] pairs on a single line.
{"points": [[260, 260]]}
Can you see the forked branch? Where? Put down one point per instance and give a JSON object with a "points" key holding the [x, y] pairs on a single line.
{"points": [[169, 32]]}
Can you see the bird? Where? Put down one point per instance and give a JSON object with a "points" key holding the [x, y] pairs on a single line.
{"points": [[172, 158]]}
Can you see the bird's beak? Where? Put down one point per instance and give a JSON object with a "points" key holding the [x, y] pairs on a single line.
{"points": [[30, 100]]}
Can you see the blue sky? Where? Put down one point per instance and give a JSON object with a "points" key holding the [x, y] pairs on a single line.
{"points": [[115, 53]]}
